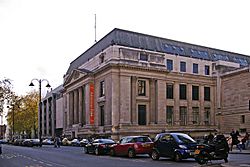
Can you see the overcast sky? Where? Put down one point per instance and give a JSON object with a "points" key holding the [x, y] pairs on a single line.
{"points": [[39, 38]]}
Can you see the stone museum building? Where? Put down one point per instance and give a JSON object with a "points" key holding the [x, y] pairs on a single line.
{"points": [[50, 122], [130, 83]]}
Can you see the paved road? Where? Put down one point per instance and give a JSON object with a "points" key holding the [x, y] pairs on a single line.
{"points": [[48, 156]]}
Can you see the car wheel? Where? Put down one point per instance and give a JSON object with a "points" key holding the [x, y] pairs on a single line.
{"points": [[177, 157], [97, 152], [112, 152], [155, 155], [131, 153]]}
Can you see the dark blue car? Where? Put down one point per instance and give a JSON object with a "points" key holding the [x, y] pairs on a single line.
{"points": [[177, 146]]}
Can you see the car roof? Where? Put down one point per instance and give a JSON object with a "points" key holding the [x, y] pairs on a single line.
{"points": [[133, 136]]}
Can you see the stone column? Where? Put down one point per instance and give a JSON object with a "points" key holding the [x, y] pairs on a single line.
{"points": [[212, 105], [133, 99], [80, 106], [47, 117], [152, 104], [84, 105], [53, 115], [71, 108], [189, 105], [75, 107], [176, 104], [202, 110], [65, 111]]}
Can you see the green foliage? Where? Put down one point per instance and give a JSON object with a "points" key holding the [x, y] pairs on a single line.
{"points": [[25, 110]]}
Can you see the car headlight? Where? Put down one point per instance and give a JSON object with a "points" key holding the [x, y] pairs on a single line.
{"points": [[182, 146]]}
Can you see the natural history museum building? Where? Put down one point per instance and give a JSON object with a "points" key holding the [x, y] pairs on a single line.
{"points": [[135, 84]]}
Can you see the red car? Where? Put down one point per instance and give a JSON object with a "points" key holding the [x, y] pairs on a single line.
{"points": [[132, 145]]}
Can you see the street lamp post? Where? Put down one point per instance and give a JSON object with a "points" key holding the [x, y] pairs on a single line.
{"points": [[13, 122], [39, 102]]}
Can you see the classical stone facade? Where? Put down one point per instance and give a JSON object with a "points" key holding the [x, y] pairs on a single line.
{"points": [[135, 84], [235, 101], [50, 122]]}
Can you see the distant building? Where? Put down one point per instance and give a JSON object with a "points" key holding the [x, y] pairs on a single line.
{"points": [[135, 84], [50, 122], [235, 101]]}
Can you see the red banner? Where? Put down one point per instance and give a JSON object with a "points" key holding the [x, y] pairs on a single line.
{"points": [[92, 103]]}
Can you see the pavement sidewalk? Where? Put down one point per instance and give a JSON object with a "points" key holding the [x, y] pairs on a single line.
{"points": [[237, 151]]}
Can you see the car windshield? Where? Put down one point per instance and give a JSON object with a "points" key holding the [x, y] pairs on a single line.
{"points": [[184, 138], [142, 139], [106, 141]]}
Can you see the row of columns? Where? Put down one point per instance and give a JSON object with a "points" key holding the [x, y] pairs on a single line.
{"points": [[156, 105], [76, 107], [47, 117]]}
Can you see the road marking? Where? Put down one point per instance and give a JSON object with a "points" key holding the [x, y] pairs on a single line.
{"points": [[244, 165]]}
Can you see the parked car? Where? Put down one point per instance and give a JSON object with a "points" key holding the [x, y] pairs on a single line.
{"points": [[66, 142], [99, 146], [4, 141], [84, 142], [36, 142], [47, 142], [18, 142], [177, 146], [27, 142], [31, 142], [131, 146], [75, 142]]}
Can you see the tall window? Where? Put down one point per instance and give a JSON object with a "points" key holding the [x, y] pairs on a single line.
{"points": [[169, 115], [207, 70], [207, 93], [207, 116], [102, 116], [141, 88], [142, 116], [195, 68], [170, 91], [242, 119], [183, 92], [183, 66], [249, 105], [183, 116], [196, 115], [102, 88], [195, 92], [169, 64]]}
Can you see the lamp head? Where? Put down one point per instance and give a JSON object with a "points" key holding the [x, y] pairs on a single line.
{"points": [[48, 85], [31, 84]]}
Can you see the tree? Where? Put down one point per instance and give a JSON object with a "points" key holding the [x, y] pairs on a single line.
{"points": [[25, 110]]}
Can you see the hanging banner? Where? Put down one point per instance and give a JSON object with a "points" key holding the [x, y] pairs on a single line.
{"points": [[92, 103]]}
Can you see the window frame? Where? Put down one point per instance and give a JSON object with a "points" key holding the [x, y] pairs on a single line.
{"points": [[207, 93], [195, 93], [143, 56], [207, 70], [141, 87], [183, 66], [170, 112], [102, 88], [195, 68], [170, 64], [169, 91], [181, 89], [102, 115], [183, 115]]}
